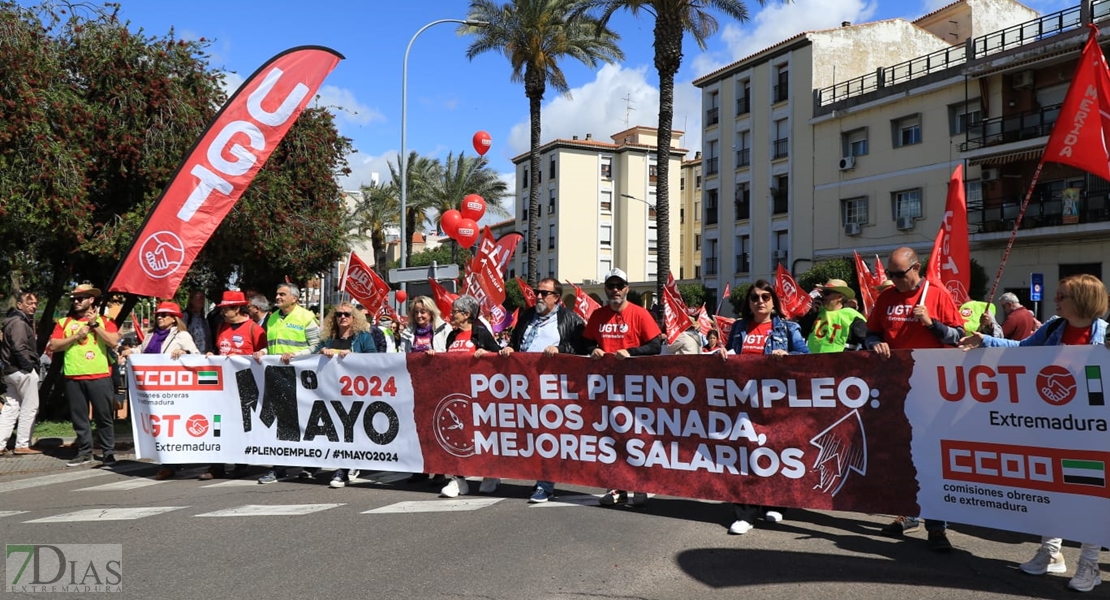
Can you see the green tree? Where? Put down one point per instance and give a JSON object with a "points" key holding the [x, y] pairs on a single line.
{"points": [[421, 173], [378, 209], [694, 294], [739, 296], [534, 35], [673, 19], [837, 268], [441, 255]]}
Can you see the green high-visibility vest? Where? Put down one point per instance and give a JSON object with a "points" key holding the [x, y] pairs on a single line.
{"points": [[831, 329], [87, 357], [285, 334], [971, 311]]}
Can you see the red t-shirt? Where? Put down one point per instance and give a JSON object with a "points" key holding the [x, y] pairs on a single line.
{"points": [[1075, 336], [462, 343], [240, 338], [755, 340], [893, 315], [632, 327]]}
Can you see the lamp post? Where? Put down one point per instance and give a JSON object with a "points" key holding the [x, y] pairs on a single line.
{"points": [[647, 222], [403, 161]]}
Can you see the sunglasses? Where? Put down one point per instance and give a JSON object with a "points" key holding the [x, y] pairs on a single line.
{"points": [[545, 293], [901, 274], [340, 315], [79, 298], [164, 315], [765, 297], [615, 286], [1060, 297]]}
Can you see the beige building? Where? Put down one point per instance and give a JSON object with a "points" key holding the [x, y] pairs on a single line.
{"points": [[773, 146], [689, 219], [597, 208]]}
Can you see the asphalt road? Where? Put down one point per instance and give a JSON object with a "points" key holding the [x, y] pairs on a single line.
{"points": [[500, 547]]}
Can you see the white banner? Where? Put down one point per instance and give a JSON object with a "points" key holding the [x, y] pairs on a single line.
{"points": [[354, 412], [1013, 438]]}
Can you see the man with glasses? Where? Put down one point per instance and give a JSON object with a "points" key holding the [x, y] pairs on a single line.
{"points": [[83, 338], [550, 328], [915, 313], [622, 329], [20, 357]]}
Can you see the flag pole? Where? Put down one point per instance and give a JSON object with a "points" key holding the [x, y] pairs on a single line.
{"points": [[1017, 225]]}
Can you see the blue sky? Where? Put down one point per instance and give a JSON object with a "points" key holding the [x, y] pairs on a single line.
{"points": [[449, 97]]}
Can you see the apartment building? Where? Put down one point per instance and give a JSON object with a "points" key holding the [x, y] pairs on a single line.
{"points": [[597, 207], [774, 137], [689, 220]]}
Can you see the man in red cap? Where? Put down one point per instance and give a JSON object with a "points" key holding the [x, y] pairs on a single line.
{"points": [[83, 339]]}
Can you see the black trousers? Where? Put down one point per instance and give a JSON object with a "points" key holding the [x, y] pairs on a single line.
{"points": [[98, 392]]}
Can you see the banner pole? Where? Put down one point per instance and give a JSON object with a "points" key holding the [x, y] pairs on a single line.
{"points": [[1017, 225]]}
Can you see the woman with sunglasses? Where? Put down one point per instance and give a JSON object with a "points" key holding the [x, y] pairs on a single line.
{"points": [[169, 336], [426, 330], [1081, 302], [345, 330], [761, 330]]}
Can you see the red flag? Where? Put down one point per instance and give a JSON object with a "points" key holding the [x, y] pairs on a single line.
{"points": [[950, 261], [674, 310], [443, 298], [724, 297], [584, 305], [138, 330], [705, 323], [1079, 136], [528, 292], [867, 292], [724, 325], [364, 285], [484, 280], [880, 272], [506, 247], [793, 301], [219, 169]]}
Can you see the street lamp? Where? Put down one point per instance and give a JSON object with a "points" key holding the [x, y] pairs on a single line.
{"points": [[651, 207], [404, 103]]}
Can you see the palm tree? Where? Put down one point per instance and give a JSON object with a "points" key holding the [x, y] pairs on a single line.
{"points": [[464, 175], [535, 35], [378, 210], [421, 172], [673, 18]]}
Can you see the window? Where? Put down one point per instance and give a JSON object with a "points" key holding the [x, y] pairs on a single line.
{"points": [[603, 267], [710, 258], [653, 173], [682, 183], [551, 202], [526, 179], [606, 168], [697, 182], [551, 168], [906, 203], [551, 236], [551, 267], [853, 210], [782, 139], [605, 235], [906, 131], [682, 217], [744, 154], [965, 117], [697, 211], [780, 195], [713, 113], [606, 203], [743, 201], [854, 143], [710, 207], [743, 97], [697, 241], [712, 160], [524, 208], [743, 254], [782, 84], [780, 254]]}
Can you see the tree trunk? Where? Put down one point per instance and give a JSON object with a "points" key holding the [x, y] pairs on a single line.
{"points": [[668, 57], [535, 96]]}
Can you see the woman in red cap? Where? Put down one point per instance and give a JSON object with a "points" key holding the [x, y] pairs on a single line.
{"points": [[171, 337]]}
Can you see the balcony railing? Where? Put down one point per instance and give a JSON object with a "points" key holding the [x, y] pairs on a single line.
{"points": [[1046, 210], [1012, 128], [743, 263], [780, 204], [712, 116], [914, 68], [782, 92], [1029, 31], [744, 105], [744, 157], [743, 209], [782, 148], [711, 165], [710, 265], [711, 216]]}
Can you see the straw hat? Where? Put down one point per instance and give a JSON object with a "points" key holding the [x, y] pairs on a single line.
{"points": [[839, 286]]}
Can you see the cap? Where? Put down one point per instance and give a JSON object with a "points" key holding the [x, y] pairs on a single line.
{"points": [[839, 286], [232, 298], [85, 289], [616, 274], [169, 308]]}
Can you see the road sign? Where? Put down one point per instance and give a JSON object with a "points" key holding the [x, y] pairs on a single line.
{"points": [[1036, 286], [437, 272]]}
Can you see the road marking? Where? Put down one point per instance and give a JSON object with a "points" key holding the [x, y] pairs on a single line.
{"points": [[234, 483], [108, 514], [564, 501], [35, 482], [118, 486], [10, 513], [384, 477], [427, 506], [267, 510]]}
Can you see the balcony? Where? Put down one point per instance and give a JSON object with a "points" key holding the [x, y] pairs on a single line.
{"points": [[743, 208], [712, 116], [743, 106], [743, 263], [1011, 128], [1044, 210], [710, 215], [781, 149], [710, 266], [780, 201], [712, 165], [1031, 31], [744, 157], [782, 92]]}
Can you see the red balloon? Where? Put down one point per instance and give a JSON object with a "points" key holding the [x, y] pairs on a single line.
{"points": [[449, 222], [466, 233], [401, 296], [473, 207], [482, 142]]}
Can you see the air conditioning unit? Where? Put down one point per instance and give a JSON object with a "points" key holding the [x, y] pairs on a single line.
{"points": [[905, 223], [851, 229], [988, 175], [589, 282], [1023, 79], [848, 162]]}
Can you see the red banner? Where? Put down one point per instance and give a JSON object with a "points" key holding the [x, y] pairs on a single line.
{"points": [[528, 293], [950, 261], [506, 247], [484, 281], [797, 431], [867, 292], [364, 285], [219, 169], [1079, 136], [584, 305], [794, 302], [674, 310], [443, 298], [705, 323]]}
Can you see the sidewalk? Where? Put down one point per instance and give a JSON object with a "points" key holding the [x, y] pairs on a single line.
{"points": [[55, 453]]}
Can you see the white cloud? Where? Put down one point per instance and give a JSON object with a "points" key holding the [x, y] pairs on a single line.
{"points": [[778, 22], [346, 107], [364, 166], [231, 82], [601, 106]]}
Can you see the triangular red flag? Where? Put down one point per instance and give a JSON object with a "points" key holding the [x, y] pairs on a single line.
{"points": [[793, 301], [1079, 136], [528, 293], [443, 298], [950, 261], [584, 305], [867, 293]]}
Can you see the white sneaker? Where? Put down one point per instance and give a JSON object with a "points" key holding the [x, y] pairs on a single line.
{"points": [[455, 487], [772, 516], [739, 527], [489, 485], [1086, 577], [1045, 561]]}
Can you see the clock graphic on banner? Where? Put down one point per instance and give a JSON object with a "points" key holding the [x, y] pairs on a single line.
{"points": [[449, 421]]}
